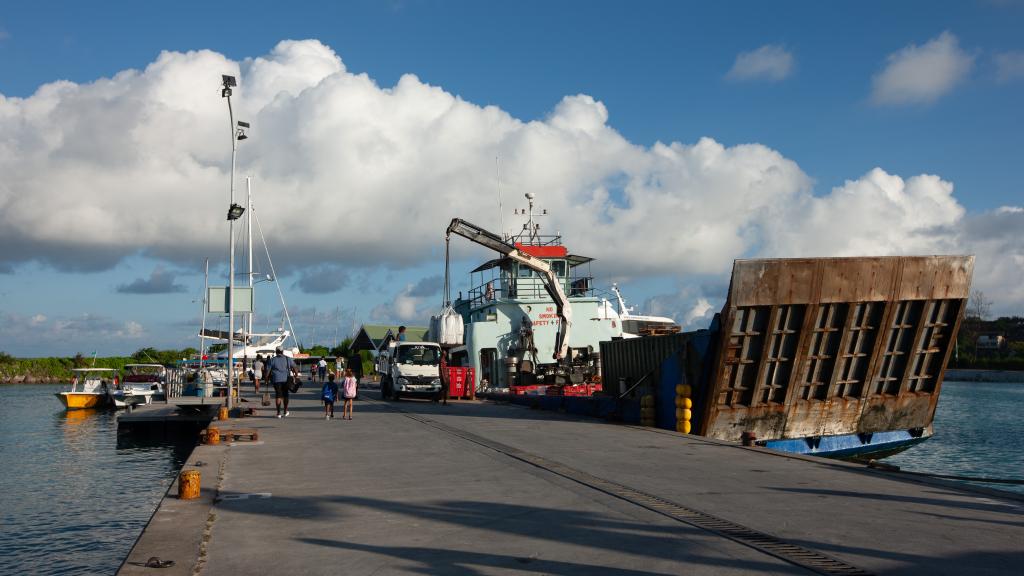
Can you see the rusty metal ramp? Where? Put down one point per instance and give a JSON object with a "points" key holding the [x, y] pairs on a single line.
{"points": [[828, 346]]}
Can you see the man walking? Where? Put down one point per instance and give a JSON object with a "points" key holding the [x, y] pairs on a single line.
{"points": [[280, 367], [322, 369]]}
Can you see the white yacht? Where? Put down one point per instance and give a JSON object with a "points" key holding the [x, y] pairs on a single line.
{"points": [[635, 325], [140, 385]]}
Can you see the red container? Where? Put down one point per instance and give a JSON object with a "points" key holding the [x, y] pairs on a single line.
{"points": [[460, 381]]}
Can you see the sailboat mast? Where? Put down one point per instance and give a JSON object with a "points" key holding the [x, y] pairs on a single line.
{"points": [[202, 329], [248, 226]]}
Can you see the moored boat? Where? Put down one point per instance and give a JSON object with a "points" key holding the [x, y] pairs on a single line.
{"points": [[142, 383], [89, 388], [519, 335]]}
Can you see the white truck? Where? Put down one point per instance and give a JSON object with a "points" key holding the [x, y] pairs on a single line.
{"points": [[410, 369]]}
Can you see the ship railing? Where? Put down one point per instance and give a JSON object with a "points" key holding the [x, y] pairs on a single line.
{"points": [[539, 240], [527, 289]]}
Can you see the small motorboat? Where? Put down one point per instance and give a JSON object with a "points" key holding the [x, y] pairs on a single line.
{"points": [[142, 383], [89, 388]]}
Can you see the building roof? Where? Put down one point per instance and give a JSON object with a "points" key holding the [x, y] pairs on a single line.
{"points": [[372, 336]]}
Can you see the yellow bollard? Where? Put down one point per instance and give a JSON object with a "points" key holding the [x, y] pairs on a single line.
{"points": [[222, 414], [188, 484], [212, 435]]}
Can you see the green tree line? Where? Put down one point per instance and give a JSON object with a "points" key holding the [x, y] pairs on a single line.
{"points": [[59, 368]]}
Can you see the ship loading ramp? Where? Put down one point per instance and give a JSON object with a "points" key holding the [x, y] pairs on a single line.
{"points": [[832, 356]]}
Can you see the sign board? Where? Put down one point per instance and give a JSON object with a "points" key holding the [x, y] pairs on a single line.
{"points": [[217, 300]]}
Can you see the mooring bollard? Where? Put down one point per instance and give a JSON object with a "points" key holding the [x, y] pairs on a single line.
{"points": [[188, 484], [748, 438], [222, 414], [212, 436]]}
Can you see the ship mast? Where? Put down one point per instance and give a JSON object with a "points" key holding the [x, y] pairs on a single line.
{"points": [[531, 230]]}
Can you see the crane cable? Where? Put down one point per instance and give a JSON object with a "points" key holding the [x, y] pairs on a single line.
{"points": [[447, 285]]}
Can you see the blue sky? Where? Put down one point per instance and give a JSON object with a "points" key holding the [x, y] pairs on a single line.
{"points": [[659, 70]]}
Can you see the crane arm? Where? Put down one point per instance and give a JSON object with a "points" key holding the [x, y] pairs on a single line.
{"points": [[552, 286]]}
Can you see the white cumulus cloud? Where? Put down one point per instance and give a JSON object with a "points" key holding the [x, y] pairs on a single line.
{"points": [[922, 74], [769, 62], [351, 176]]}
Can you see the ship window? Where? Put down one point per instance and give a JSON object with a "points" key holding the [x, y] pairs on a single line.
{"points": [[525, 272], [558, 267]]}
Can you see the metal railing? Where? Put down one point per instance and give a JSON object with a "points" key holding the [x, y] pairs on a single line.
{"points": [[529, 288]]}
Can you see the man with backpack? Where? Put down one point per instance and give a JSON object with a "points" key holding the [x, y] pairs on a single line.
{"points": [[280, 367]]}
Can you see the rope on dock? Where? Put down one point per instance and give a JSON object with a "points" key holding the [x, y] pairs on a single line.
{"points": [[893, 468]]}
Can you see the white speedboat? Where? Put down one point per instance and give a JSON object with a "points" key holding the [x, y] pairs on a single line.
{"points": [[141, 384], [89, 388]]}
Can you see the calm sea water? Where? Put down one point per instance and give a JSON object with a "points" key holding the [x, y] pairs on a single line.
{"points": [[979, 427], [72, 500]]}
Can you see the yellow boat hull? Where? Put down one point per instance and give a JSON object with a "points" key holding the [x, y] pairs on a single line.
{"points": [[78, 401]]}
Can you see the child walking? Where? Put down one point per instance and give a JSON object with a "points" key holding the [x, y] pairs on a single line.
{"points": [[328, 394], [348, 393]]}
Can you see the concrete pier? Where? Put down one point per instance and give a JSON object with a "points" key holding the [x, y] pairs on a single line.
{"points": [[485, 488]]}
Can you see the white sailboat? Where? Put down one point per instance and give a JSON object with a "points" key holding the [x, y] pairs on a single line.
{"points": [[249, 344]]}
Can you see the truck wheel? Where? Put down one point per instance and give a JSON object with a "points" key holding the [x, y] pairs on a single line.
{"points": [[395, 396]]}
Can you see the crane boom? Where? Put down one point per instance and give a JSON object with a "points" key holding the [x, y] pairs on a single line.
{"points": [[552, 286]]}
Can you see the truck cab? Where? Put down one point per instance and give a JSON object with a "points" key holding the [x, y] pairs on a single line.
{"points": [[410, 369]]}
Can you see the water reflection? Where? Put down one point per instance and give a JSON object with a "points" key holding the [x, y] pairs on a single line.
{"points": [[56, 490]]}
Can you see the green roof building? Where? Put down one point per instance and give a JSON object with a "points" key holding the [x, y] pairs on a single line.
{"points": [[375, 336]]}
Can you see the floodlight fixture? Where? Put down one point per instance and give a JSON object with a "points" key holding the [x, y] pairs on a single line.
{"points": [[235, 212], [240, 132], [227, 82]]}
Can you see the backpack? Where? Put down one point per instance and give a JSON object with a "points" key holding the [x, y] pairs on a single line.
{"points": [[327, 393]]}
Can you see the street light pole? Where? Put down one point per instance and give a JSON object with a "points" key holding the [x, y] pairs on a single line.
{"points": [[236, 135]]}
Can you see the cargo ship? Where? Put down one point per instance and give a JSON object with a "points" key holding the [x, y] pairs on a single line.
{"points": [[840, 357]]}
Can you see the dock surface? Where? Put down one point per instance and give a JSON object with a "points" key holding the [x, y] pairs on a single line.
{"points": [[479, 488]]}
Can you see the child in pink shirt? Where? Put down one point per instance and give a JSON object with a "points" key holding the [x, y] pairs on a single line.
{"points": [[348, 393]]}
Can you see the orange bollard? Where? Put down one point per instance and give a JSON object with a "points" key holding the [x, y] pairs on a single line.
{"points": [[212, 436], [222, 414], [188, 484]]}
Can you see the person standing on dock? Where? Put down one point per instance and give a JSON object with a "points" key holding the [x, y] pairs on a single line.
{"points": [[442, 393], [329, 394], [348, 393], [257, 372], [321, 367], [281, 367]]}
